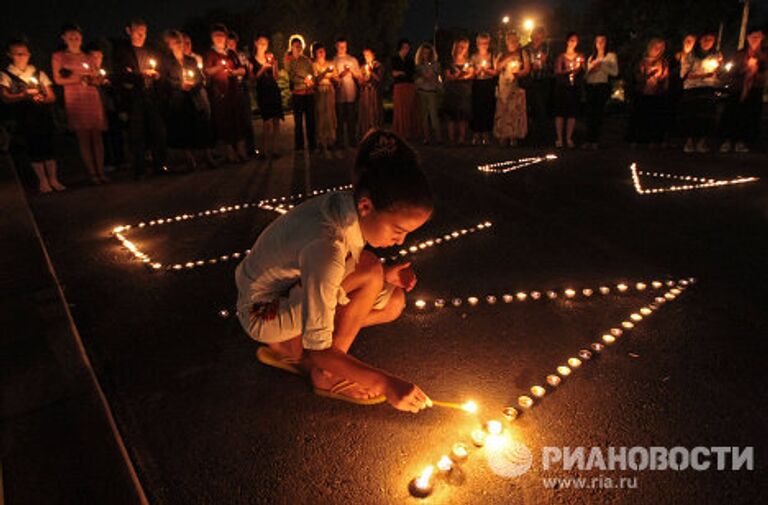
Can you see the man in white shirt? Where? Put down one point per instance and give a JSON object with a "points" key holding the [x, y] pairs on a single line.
{"points": [[348, 69]]}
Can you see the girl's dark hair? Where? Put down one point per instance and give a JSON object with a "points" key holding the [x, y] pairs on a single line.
{"points": [[402, 42], [70, 27], [569, 35], [316, 46], [219, 27], [388, 171], [593, 54]]}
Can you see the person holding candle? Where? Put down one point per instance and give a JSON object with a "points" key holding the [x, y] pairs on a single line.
{"points": [[511, 121], [569, 76], [230, 120], [483, 91], [457, 102], [187, 121], [76, 72], [29, 94], [427, 78], [203, 102], [371, 111], [652, 84], [348, 73], [188, 51], [744, 108], [135, 76], [675, 88], [699, 101], [326, 75], [405, 120], [602, 65], [301, 79], [308, 285], [268, 96], [112, 137], [233, 39], [538, 87]]}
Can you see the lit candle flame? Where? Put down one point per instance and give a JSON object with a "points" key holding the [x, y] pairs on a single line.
{"points": [[422, 485], [152, 63], [470, 407]]}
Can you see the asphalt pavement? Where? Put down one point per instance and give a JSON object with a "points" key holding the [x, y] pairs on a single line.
{"points": [[204, 422]]}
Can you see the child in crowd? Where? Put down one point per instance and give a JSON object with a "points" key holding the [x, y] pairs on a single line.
{"points": [[30, 92], [309, 285]]}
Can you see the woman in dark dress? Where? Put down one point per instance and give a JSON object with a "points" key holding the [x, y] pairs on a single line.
{"points": [[457, 103], [569, 77], [223, 67], [267, 94], [186, 116]]}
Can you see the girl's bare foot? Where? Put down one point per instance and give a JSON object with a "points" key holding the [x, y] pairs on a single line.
{"points": [[55, 184], [326, 380]]}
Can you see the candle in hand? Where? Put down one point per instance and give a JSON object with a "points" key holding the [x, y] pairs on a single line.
{"points": [[152, 63], [710, 64]]}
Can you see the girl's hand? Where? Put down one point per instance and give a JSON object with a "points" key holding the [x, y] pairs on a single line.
{"points": [[400, 275], [406, 396]]}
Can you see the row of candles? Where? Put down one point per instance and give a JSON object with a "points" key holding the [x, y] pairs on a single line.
{"points": [[699, 183], [279, 205], [551, 294], [490, 433], [503, 167], [432, 242]]}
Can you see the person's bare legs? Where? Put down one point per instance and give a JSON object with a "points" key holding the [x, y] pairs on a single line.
{"points": [[570, 124], [275, 134], [43, 185], [86, 153], [559, 131], [98, 154], [51, 170], [362, 287]]}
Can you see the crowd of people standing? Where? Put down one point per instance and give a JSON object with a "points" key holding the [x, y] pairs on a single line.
{"points": [[151, 101]]}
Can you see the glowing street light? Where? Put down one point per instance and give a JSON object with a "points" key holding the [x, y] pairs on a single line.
{"points": [[528, 25]]}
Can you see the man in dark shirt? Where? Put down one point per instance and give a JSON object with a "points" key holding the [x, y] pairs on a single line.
{"points": [[136, 74], [538, 88]]}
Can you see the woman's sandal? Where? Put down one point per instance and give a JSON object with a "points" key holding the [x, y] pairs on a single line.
{"points": [[268, 357], [338, 390]]}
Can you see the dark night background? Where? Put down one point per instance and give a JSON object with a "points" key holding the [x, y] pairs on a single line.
{"points": [[629, 23]]}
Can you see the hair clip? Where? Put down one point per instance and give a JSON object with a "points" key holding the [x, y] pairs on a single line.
{"points": [[386, 146]]}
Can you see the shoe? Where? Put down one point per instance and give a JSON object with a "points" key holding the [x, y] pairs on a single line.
{"points": [[44, 189], [741, 147], [570, 144], [559, 143], [104, 179], [688, 147], [95, 180], [725, 147], [701, 146]]}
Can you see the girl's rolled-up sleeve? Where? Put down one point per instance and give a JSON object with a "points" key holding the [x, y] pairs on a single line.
{"points": [[322, 265]]}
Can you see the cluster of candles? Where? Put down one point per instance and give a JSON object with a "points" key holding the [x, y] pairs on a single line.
{"points": [[279, 205], [447, 237], [490, 433], [692, 182], [502, 167], [551, 294]]}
